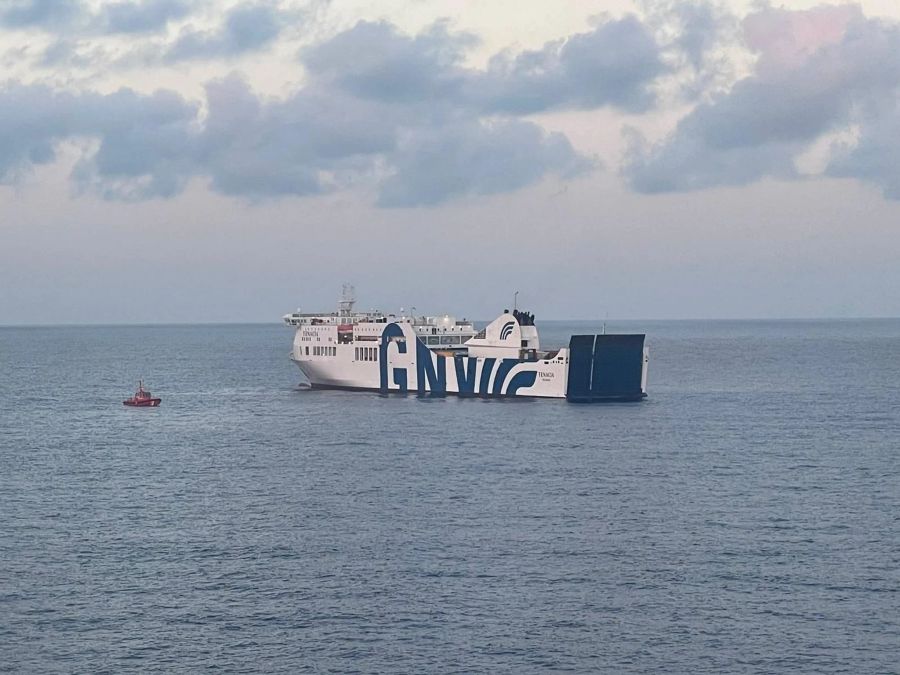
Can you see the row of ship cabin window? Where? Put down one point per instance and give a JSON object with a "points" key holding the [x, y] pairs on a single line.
{"points": [[367, 353], [446, 340], [323, 351]]}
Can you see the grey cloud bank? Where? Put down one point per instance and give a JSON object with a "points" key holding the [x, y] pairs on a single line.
{"points": [[71, 18], [44, 14], [246, 28], [820, 71], [142, 138], [382, 108], [616, 64], [405, 115], [140, 17]]}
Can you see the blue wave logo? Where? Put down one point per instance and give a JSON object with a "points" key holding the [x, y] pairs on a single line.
{"points": [[507, 329]]}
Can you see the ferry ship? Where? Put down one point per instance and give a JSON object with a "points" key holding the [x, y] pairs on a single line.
{"points": [[442, 355]]}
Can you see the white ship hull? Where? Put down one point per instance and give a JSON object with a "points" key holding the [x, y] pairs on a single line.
{"points": [[419, 370]]}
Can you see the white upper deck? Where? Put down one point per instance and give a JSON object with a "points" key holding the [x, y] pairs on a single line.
{"points": [[438, 332]]}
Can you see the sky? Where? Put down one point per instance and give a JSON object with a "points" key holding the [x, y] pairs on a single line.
{"points": [[231, 161]]}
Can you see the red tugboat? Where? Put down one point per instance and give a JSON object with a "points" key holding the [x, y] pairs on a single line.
{"points": [[142, 398]]}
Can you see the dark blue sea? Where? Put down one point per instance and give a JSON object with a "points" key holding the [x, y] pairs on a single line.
{"points": [[743, 519]]}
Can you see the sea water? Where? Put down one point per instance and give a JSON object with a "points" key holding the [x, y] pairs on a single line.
{"points": [[744, 518]]}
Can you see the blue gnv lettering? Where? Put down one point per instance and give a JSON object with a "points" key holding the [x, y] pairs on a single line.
{"points": [[425, 368], [465, 374], [392, 330]]}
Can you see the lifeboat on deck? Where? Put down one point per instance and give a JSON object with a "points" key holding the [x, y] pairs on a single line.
{"points": [[142, 398]]}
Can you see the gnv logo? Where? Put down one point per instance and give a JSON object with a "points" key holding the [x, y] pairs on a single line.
{"points": [[507, 330]]}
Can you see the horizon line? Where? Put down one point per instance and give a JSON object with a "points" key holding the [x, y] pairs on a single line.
{"points": [[160, 324]]}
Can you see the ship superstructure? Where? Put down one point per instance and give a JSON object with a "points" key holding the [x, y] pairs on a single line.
{"points": [[439, 355]]}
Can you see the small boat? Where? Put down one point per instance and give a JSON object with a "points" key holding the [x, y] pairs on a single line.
{"points": [[142, 398]]}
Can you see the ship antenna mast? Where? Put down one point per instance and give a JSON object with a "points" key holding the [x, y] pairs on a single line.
{"points": [[348, 299]]}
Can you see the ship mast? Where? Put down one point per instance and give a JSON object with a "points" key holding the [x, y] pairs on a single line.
{"points": [[348, 299]]}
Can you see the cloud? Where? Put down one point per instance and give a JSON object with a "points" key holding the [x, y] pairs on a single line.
{"points": [[816, 71], [69, 53], [142, 17], [147, 144], [436, 164], [33, 118], [315, 141], [375, 61], [403, 121], [69, 18], [254, 148], [875, 157], [697, 27], [42, 14], [144, 141], [246, 28], [404, 115], [616, 64], [319, 140]]}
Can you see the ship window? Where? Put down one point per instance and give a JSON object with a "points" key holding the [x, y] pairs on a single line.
{"points": [[307, 350], [356, 354], [376, 355], [434, 340]]}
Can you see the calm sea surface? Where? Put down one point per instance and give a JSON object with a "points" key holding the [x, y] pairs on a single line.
{"points": [[745, 518]]}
